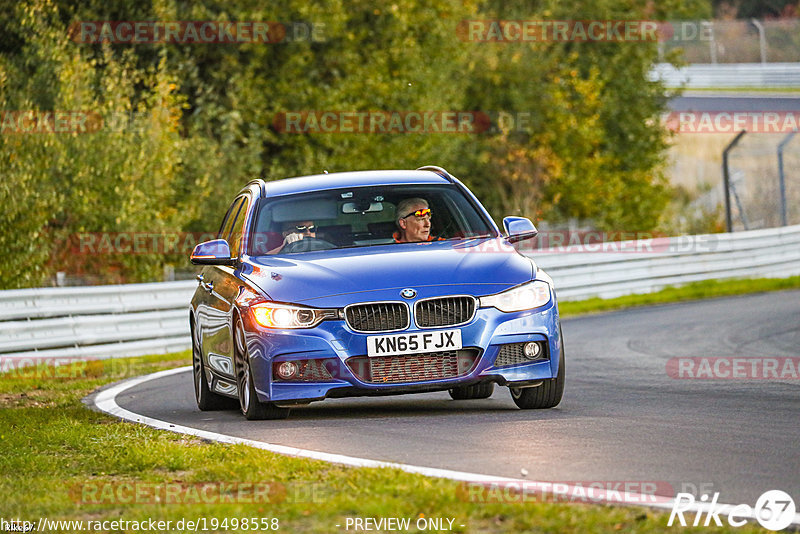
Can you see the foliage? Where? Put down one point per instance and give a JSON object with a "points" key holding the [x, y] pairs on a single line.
{"points": [[108, 179], [758, 9]]}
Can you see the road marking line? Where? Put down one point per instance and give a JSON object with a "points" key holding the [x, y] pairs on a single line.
{"points": [[106, 401]]}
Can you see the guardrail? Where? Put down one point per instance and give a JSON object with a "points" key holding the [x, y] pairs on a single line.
{"points": [[769, 253], [137, 319], [96, 321], [720, 75]]}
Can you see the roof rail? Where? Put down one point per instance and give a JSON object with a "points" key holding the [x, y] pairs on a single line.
{"points": [[438, 170], [262, 185]]}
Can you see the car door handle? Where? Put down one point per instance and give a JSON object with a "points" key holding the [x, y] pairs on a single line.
{"points": [[208, 286]]}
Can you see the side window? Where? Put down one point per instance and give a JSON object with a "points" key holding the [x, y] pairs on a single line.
{"points": [[235, 239], [227, 222]]}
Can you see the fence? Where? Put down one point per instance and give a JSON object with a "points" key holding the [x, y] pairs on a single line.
{"points": [[730, 53], [733, 41], [136, 319], [764, 182]]}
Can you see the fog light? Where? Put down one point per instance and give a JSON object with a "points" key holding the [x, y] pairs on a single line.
{"points": [[532, 350], [287, 370]]}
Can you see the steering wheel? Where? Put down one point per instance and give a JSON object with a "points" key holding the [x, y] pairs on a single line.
{"points": [[307, 244]]}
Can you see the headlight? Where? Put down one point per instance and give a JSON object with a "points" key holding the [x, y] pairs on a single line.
{"points": [[524, 297], [273, 315]]}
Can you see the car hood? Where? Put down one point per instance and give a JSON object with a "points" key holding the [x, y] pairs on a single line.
{"points": [[477, 266]]}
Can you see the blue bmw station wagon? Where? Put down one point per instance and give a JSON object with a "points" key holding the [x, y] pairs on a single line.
{"points": [[369, 283]]}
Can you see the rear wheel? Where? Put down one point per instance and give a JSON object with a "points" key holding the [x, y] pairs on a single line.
{"points": [[477, 391], [548, 394], [252, 409], [206, 399]]}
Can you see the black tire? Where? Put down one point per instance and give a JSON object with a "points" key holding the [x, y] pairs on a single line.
{"points": [[251, 407], [206, 399], [477, 391], [548, 394]]}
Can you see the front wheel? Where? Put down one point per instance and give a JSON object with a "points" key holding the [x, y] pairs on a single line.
{"points": [[251, 407], [548, 394]]}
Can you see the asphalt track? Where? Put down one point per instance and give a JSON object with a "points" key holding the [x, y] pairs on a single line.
{"points": [[622, 418]]}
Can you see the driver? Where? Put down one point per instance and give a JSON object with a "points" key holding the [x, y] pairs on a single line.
{"points": [[413, 221], [295, 231]]}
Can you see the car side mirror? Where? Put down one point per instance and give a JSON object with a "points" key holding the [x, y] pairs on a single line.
{"points": [[214, 252], [519, 229]]}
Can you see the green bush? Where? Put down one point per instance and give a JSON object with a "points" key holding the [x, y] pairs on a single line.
{"points": [[198, 120]]}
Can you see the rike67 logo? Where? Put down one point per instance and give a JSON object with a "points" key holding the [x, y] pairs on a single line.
{"points": [[774, 510]]}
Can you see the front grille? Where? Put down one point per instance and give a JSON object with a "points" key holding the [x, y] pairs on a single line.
{"points": [[377, 316], [514, 353], [444, 311], [413, 367]]}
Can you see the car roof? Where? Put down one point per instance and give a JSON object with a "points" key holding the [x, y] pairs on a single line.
{"points": [[338, 180]]}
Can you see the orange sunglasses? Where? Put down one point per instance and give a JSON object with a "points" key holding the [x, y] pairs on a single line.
{"points": [[419, 214]]}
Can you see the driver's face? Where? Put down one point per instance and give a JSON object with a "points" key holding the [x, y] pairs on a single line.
{"points": [[414, 228], [307, 228]]}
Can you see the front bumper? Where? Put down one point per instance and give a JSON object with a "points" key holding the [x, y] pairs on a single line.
{"points": [[334, 345]]}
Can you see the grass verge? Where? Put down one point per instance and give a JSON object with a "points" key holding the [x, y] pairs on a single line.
{"points": [[61, 461], [693, 291]]}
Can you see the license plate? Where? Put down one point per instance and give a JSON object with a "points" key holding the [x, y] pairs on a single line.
{"points": [[414, 342]]}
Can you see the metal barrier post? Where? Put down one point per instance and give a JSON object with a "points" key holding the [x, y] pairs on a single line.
{"points": [[726, 179], [762, 40], [781, 177], [712, 44]]}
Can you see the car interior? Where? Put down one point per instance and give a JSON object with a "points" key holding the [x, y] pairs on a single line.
{"points": [[359, 217]]}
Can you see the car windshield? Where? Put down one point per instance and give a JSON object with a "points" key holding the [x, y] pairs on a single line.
{"points": [[360, 217]]}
